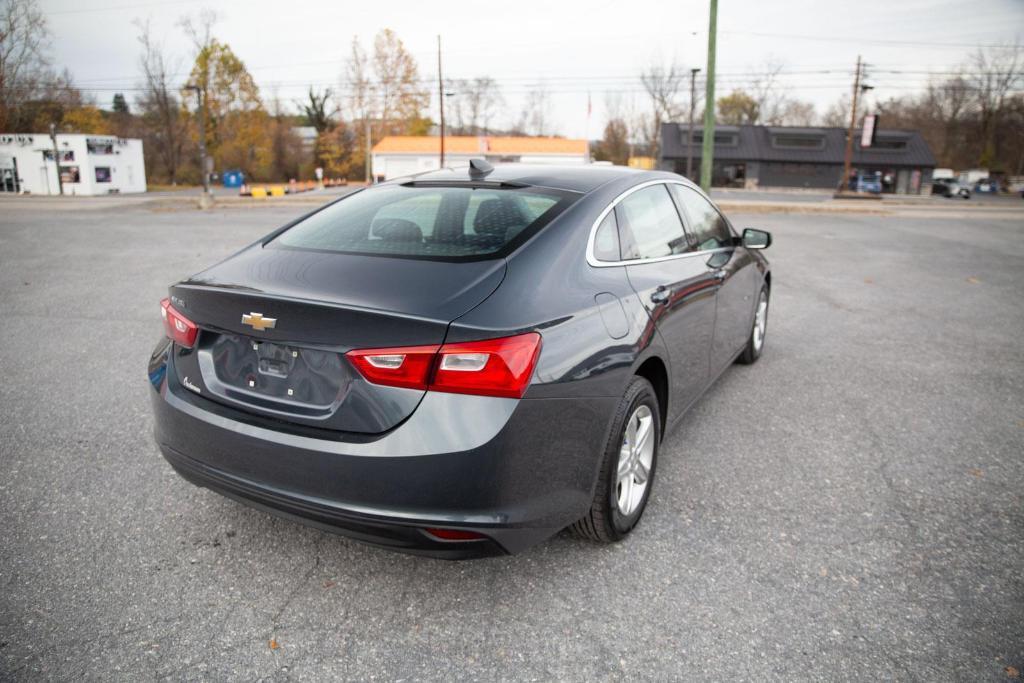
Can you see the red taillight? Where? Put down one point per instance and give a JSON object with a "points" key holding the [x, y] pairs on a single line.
{"points": [[407, 367], [455, 535], [177, 327], [493, 367]]}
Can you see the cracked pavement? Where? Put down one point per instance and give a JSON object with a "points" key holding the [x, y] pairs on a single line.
{"points": [[850, 507]]}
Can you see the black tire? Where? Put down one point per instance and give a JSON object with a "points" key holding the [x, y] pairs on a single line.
{"points": [[753, 351], [605, 523]]}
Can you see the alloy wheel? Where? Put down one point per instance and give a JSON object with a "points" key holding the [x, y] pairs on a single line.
{"points": [[760, 321], [635, 459]]}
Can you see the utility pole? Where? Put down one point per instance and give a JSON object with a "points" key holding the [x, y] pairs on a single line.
{"points": [[707, 157], [693, 106], [369, 168], [440, 95], [203, 162], [845, 185], [56, 156]]}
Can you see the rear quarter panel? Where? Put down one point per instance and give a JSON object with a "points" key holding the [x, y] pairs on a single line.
{"points": [[549, 287]]}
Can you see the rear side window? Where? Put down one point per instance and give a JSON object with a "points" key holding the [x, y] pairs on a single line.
{"points": [[606, 239], [649, 224], [710, 229], [439, 222]]}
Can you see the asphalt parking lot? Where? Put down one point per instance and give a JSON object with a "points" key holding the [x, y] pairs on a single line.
{"points": [[850, 507]]}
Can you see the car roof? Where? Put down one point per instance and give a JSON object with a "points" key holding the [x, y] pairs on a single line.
{"points": [[580, 178]]}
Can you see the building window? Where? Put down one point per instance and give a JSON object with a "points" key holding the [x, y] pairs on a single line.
{"points": [[721, 139], [70, 174], [798, 141], [102, 174], [65, 155], [99, 146], [889, 145]]}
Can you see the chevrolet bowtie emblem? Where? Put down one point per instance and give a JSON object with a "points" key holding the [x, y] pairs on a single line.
{"points": [[258, 322]]}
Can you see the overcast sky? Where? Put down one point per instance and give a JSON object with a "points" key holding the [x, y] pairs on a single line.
{"points": [[573, 48]]}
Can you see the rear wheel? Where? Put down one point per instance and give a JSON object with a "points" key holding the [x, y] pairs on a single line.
{"points": [[755, 344], [627, 469]]}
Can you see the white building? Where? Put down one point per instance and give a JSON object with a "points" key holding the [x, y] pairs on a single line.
{"points": [[89, 164], [401, 155]]}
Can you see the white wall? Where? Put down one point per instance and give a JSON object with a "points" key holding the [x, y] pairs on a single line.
{"points": [[123, 168], [393, 165]]}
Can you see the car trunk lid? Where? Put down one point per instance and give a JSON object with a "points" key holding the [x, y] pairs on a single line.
{"points": [[275, 324]]}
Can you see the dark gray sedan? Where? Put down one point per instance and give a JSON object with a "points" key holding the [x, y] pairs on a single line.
{"points": [[464, 362]]}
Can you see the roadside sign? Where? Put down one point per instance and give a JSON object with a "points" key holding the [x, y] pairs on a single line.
{"points": [[867, 133]]}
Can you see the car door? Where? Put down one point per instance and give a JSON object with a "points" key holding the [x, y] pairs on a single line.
{"points": [[674, 284], [733, 268]]}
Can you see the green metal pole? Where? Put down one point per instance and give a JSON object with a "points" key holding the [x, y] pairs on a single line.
{"points": [[707, 157]]}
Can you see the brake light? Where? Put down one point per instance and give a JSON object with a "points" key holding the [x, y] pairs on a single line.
{"points": [[407, 367], [493, 367], [177, 327]]}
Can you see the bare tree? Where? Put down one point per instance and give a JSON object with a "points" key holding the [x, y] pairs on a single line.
{"points": [[199, 29], [164, 124], [536, 115], [475, 104], [287, 153], [357, 83], [769, 93], [384, 87], [24, 67], [994, 75], [949, 100], [796, 113], [838, 114], [663, 85]]}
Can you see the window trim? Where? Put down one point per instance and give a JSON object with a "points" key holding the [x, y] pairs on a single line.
{"points": [[594, 262], [819, 140]]}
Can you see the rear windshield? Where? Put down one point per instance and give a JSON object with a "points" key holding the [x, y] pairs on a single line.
{"points": [[447, 222]]}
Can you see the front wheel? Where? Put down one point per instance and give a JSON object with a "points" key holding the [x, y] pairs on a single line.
{"points": [[627, 468], [755, 343]]}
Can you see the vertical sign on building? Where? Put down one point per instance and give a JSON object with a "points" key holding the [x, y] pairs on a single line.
{"points": [[867, 133]]}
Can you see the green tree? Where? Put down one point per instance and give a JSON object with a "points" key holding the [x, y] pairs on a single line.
{"points": [[384, 90], [84, 119], [615, 145], [737, 108], [120, 104], [237, 124]]}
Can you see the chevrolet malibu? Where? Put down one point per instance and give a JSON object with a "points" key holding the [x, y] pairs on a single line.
{"points": [[464, 362]]}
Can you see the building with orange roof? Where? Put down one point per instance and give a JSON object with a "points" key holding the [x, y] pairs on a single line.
{"points": [[401, 155]]}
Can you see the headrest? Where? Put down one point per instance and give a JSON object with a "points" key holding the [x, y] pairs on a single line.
{"points": [[494, 217], [397, 230]]}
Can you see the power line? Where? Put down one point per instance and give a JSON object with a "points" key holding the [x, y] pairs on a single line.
{"points": [[593, 81], [90, 10], [868, 41]]}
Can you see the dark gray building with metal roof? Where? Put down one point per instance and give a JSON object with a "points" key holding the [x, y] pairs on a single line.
{"points": [[788, 156]]}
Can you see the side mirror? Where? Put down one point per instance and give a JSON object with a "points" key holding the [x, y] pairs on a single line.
{"points": [[756, 239]]}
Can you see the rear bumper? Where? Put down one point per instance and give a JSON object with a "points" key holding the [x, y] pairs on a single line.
{"points": [[516, 471]]}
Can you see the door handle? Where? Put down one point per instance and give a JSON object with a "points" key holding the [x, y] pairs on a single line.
{"points": [[660, 295]]}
